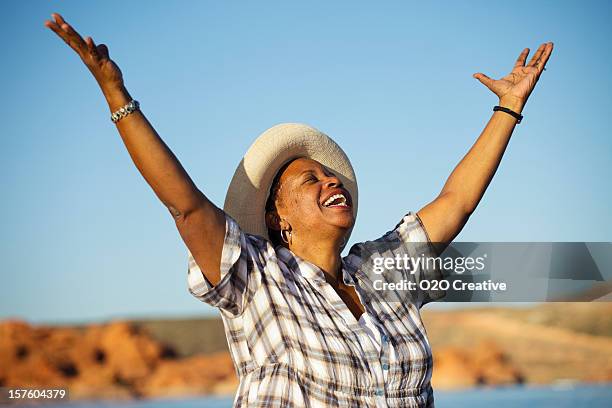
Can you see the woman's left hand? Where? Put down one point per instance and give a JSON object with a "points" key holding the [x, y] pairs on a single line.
{"points": [[514, 89]]}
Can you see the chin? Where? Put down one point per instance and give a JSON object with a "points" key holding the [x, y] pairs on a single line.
{"points": [[336, 220], [346, 222]]}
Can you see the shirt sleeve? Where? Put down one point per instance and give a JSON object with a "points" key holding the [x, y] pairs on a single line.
{"points": [[238, 272], [418, 246], [399, 256]]}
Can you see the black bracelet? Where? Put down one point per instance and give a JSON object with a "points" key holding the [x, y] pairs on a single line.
{"points": [[510, 112]]}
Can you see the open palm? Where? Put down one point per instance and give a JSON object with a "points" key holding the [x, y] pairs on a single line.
{"points": [[519, 83]]}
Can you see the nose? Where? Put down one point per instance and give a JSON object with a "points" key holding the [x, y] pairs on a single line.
{"points": [[333, 182]]}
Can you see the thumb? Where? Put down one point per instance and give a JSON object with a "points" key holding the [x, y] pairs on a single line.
{"points": [[103, 51], [486, 81]]}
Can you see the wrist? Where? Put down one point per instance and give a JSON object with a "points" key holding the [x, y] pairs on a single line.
{"points": [[513, 103], [116, 97]]}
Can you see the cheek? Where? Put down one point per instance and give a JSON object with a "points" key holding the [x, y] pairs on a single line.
{"points": [[295, 200], [301, 203]]}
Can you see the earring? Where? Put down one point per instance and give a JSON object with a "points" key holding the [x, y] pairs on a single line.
{"points": [[286, 240]]}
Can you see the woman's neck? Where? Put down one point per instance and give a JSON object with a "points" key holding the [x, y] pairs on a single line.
{"points": [[325, 255]]}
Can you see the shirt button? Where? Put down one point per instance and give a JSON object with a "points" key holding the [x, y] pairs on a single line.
{"points": [[385, 338], [385, 366]]}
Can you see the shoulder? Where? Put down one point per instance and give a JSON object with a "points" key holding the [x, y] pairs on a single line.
{"points": [[407, 238]]}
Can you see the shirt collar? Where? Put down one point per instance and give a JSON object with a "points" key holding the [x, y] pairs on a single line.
{"points": [[307, 269]]}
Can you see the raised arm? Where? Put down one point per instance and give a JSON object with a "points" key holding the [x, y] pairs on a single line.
{"points": [[200, 223], [444, 217]]}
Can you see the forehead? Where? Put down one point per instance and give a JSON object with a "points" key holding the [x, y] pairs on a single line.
{"points": [[299, 166]]}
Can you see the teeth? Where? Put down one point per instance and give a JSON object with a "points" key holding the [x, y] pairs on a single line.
{"points": [[331, 199]]}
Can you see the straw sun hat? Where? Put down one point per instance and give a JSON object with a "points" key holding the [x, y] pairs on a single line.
{"points": [[249, 189]]}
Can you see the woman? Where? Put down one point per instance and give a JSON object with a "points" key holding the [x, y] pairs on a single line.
{"points": [[304, 325]]}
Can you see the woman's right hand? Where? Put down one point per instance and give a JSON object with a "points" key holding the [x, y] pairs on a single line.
{"points": [[95, 57], [199, 221]]}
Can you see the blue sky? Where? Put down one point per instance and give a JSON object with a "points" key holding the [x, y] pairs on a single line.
{"points": [[84, 238]]}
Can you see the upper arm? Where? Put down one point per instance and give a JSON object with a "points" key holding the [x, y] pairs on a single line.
{"points": [[203, 231], [238, 270], [443, 218]]}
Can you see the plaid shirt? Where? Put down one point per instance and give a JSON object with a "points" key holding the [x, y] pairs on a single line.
{"points": [[295, 343]]}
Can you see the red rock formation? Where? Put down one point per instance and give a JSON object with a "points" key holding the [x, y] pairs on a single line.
{"points": [[192, 376], [100, 361], [485, 364], [22, 362], [113, 360]]}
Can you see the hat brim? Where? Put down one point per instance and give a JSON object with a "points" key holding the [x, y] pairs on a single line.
{"points": [[249, 189]]}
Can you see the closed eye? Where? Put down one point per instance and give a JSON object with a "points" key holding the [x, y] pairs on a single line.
{"points": [[310, 178], [329, 174]]}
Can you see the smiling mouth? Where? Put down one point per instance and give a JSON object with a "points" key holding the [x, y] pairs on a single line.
{"points": [[337, 200]]}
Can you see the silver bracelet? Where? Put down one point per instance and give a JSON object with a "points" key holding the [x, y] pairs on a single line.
{"points": [[122, 112]]}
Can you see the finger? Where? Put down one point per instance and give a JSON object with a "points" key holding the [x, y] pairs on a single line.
{"points": [[520, 61], [58, 18], [52, 24], [62, 34], [486, 81], [92, 48], [74, 37], [537, 55], [541, 63], [103, 51], [63, 25], [54, 27]]}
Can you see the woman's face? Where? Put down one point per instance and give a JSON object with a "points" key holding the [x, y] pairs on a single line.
{"points": [[313, 201]]}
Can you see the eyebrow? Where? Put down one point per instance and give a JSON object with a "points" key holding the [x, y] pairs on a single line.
{"points": [[311, 171], [306, 172]]}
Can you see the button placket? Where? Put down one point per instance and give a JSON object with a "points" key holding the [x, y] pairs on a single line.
{"points": [[362, 338], [385, 351], [385, 354], [379, 374], [378, 377]]}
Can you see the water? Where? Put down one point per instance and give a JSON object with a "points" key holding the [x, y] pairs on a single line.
{"points": [[591, 396]]}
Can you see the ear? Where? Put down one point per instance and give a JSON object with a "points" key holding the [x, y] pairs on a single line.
{"points": [[273, 221]]}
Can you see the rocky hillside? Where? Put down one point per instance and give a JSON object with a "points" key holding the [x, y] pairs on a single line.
{"points": [[545, 344], [118, 360]]}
